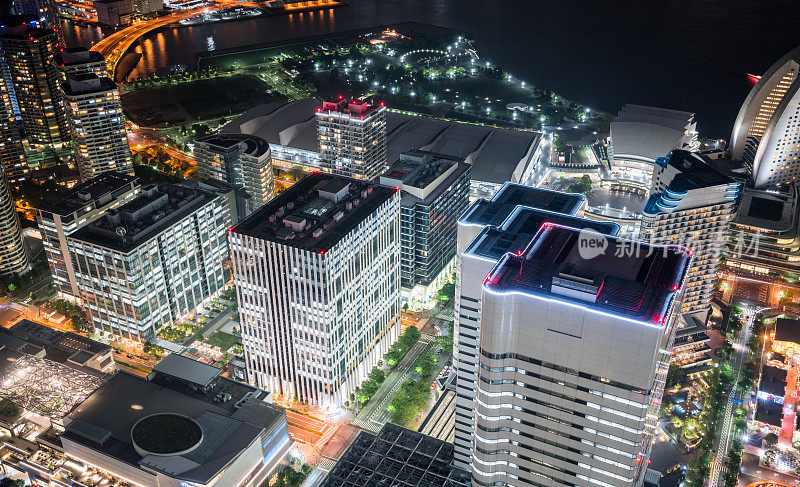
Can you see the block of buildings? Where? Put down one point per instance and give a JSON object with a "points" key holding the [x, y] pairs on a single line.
{"points": [[574, 352], [243, 161], [691, 203], [317, 276], [80, 206], [181, 425], [435, 192], [122, 12], [153, 260], [496, 155]]}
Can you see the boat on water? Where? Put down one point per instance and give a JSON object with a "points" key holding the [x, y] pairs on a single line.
{"points": [[230, 13]]}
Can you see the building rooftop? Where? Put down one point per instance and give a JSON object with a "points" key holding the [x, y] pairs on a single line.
{"points": [[770, 413], [787, 330], [495, 211], [248, 144], [423, 176], [316, 212], [769, 211], [84, 84], [56, 343], [350, 106], [397, 456], [629, 279], [157, 207], [25, 32], [694, 171], [517, 231], [96, 192], [773, 381], [494, 153], [105, 421], [75, 56], [187, 370], [646, 133]]}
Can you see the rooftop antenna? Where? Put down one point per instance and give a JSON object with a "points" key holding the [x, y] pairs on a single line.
{"points": [[122, 231]]}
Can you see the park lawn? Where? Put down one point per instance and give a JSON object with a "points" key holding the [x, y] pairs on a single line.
{"points": [[223, 340]]}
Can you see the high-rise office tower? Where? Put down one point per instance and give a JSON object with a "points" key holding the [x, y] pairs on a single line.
{"points": [[241, 160], [80, 206], [79, 60], [13, 257], [766, 135], [97, 125], [317, 275], [153, 260], [691, 204], [12, 155], [488, 230], [352, 137], [435, 192], [29, 55], [574, 351]]}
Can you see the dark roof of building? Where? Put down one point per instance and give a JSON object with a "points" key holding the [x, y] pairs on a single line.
{"points": [[252, 145], [773, 381], [25, 32], [155, 209], [105, 419], [100, 189], [787, 330], [84, 88], [58, 346], [639, 284], [419, 169], [186, 369], [302, 202], [695, 169], [769, 412], [511, 195], [77, 56], [397, 456], [522, 225]]}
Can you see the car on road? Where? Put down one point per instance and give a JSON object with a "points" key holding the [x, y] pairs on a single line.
{"points": [[130, 355]]}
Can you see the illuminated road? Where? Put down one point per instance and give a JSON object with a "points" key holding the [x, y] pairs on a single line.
{"points": [[114, 46]]}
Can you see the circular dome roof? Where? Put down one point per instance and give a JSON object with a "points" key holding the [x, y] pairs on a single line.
{"points": [[166, 434]]}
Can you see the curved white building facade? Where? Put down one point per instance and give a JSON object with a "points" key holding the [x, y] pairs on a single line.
{"points": [[766, 135]]}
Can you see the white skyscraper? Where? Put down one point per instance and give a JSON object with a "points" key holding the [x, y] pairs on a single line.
{"points": [[352, 138], [13, 258], [97, 125], [691, 204], [573, 354], [766, 135], [488, 230], [317, 275]]}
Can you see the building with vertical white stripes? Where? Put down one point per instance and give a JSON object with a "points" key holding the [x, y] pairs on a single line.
{"points": [[317, 275], [574, 348]]}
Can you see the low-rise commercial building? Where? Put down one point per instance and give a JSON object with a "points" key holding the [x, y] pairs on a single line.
{"points": [[435, 192], [153, 260], [122, 12], [182, 425]]}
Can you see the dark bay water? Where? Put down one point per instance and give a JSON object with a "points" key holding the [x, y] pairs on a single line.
{"points": [[683, 54]]}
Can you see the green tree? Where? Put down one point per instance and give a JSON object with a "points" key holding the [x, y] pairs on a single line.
{"points": [[675, 375], [771, 439]]}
